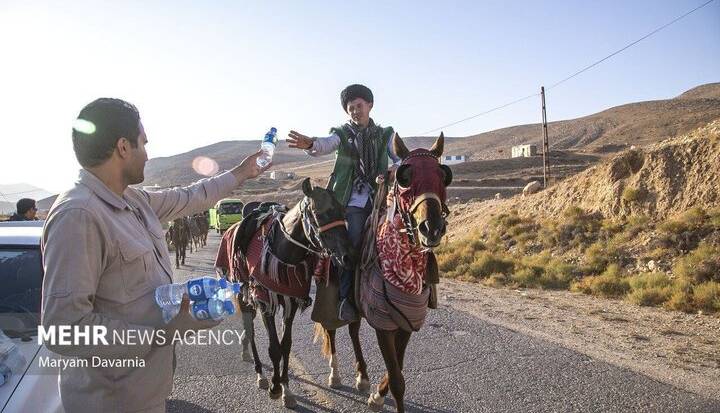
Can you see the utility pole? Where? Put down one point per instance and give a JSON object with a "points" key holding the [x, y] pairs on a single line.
{"points": [[545, 145]]}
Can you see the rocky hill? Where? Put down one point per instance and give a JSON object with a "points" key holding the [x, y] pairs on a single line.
{"points": [[657, 181]]}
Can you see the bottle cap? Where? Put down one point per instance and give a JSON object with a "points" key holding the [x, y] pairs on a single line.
{"points": [[229, 307]]}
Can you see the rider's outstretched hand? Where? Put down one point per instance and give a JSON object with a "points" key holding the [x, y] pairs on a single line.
{"points": [[298, 140]]}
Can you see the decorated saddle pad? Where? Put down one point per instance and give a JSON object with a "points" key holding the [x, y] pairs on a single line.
{"points": [[267, 271], [387, 307]]}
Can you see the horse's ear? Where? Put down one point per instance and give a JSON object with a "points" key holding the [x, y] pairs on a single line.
{"points": [[437, 148], [307, 187], [399, 147]]}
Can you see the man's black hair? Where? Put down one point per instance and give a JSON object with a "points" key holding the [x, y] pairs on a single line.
{"points": [[353, 92], [24, 205], [100, 125]]}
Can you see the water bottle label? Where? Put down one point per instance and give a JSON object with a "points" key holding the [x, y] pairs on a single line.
{"points": [[195, 290], [202, 315], [201, 311]]}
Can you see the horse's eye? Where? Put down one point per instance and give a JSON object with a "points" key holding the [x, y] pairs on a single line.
{"points": [[403, 175]]}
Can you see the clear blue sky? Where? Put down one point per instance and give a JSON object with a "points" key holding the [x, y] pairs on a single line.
{"points": [[201, 72]]}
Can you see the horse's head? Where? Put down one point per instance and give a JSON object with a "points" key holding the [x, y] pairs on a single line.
{"points": [[420, 183], [324, 223]]}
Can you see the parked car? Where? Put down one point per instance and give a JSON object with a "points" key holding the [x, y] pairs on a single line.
{"points": [[32, 389]]}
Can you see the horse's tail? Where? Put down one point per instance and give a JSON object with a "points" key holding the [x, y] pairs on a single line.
{"points": [[325, 349]]}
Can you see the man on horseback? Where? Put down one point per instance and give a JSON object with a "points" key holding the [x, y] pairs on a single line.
{"points": [[362, 150]]}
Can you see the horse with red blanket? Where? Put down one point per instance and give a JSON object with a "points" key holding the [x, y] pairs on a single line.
{"points": [[397, 276]]}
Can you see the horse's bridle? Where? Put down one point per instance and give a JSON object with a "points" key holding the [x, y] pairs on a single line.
{"points": [[407, 216], [312, 229]]}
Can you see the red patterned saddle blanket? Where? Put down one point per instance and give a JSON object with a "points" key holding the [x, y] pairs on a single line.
{"points": [[269, 276]]}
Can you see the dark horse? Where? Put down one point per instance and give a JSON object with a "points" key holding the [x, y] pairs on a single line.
{"points": [[179, 236], [415, 222], [290, 246]]}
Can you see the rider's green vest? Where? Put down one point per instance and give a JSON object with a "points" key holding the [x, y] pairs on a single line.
{"points": [[345, 158]]}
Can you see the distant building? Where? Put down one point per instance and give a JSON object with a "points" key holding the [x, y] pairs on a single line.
{"points": [[453, 159], [277, 175], [521, 151]]}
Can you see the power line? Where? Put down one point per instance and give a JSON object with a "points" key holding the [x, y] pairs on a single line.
{"points": [[481, 113], [574, 74], [630, 45]]}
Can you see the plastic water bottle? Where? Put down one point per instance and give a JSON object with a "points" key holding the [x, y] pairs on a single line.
{"points": [[229, 292], [268, 148], [213, 309], [197, 289]]}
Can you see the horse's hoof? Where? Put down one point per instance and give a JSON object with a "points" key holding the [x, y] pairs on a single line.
{"points": [[274, 395], [362, 384], [246, 356], [376, 402], [289, 401], [335, 382], [262, 383]]}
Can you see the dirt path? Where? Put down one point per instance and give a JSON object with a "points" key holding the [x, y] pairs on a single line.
{"points": [[679, 349]]}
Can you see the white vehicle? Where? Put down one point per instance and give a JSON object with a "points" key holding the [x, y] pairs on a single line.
{"points": [[33, 389]]}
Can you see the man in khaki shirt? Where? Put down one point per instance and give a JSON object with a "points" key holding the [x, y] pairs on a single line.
{"points": [[104, 254]]}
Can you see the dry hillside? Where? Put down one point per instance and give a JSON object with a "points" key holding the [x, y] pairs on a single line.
{"points": [[609, 131], [657, 181]]}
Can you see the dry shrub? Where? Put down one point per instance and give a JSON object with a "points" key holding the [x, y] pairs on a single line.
{"points": [[610, 283], [685, 231], [706, 296], [486, 264], [496, 280], [650, 288], [700, 265], [600, 255], [631, 195]]}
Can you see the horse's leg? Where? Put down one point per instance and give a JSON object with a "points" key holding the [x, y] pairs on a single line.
{"points": [[287, 397], [275, 355], [362, 381], [177, 256], [387, 343], [401, 345], [334, 379], [248, 334], [247, 339]]}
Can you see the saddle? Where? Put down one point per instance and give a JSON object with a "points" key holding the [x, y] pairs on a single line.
{"points": [[252, 223]]}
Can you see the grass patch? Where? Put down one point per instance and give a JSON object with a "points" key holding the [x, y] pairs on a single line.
{"points": [[700, 265], [650, 289], [610, 283], [706, 296], [632, 195]]}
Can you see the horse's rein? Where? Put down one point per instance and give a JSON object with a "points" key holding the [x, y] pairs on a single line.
{"points": [[310, 231]]}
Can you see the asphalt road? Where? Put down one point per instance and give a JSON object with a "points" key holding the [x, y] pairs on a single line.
{"points": [[456, 363]]}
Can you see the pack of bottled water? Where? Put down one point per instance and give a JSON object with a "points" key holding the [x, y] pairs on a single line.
{"points": [[210, 298]]}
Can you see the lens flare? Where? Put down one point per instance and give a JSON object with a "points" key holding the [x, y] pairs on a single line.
{"points": [[205, 166], [84, 126]]}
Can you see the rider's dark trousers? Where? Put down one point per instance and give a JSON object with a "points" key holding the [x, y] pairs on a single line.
{"points": [[355, 218]]}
